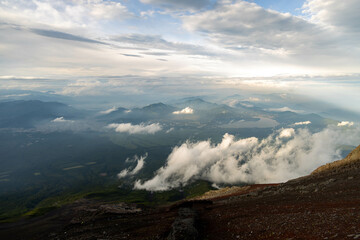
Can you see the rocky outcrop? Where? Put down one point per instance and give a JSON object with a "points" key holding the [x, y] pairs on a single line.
{"points": [[183, 227]]}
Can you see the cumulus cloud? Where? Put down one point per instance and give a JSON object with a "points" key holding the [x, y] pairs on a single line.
{"points": [[136, 129], [287, 133], [187, 110], [140, 165], [302, 123], [251, 160], [61, 120], [345, 124]]}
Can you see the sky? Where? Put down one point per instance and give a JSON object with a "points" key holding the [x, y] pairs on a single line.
{"points": [[93, 47]]}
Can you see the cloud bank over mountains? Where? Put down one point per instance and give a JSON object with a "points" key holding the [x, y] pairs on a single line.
{"points": [[285, 154]]}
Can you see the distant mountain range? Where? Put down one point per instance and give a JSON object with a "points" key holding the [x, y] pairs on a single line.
{"points": [[29, 113], [26, 114]]}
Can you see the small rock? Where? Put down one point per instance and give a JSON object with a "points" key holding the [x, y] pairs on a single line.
{"points": [[356, 236]]}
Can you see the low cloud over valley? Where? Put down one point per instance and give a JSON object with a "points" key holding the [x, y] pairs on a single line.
{"points": [[285, 154]]}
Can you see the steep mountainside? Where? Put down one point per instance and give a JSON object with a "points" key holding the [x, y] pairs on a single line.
{"points": [[322, 205]]}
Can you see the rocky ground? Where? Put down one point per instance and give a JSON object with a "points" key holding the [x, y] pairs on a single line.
{"points": [[323, 205]]}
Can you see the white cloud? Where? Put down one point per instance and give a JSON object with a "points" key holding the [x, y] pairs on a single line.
{"points": [[287, 133], [187, 110], [265, 35], [136, 129], [251, 160], [341, 15], [61, 120], [302, 123], [113, 109], [140, 165], [61, 14], [242, 24], [345, 124]]}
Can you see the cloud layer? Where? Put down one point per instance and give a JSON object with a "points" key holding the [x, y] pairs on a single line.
{"points": [[244, 24], [286, 154], [136, 129]]}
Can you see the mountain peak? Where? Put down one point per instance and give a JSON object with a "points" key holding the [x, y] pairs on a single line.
{"points": [[158, 107]]}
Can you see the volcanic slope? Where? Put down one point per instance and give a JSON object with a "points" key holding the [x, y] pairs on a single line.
{"points": [[322, 205]]}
